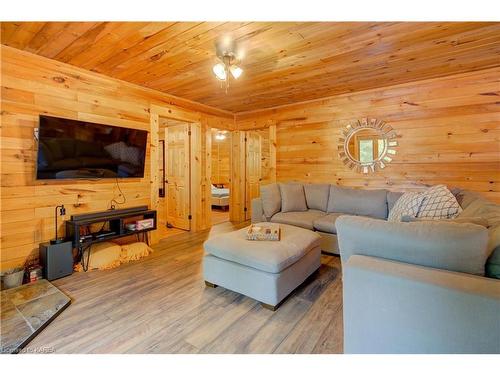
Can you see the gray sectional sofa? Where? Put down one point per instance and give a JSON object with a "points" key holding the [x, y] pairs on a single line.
{"points": [[409, 287], [322, 205]]}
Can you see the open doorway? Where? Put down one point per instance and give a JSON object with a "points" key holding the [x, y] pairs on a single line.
{"points": [[220, 175]]}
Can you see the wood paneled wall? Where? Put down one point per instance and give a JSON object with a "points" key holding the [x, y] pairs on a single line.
{"points": [[221, 153], [33, 85], [448, 132]]}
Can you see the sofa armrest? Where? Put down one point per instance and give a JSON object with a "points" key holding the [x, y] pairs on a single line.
{"points": [[393, 307], [257, 211], [450, 246]]}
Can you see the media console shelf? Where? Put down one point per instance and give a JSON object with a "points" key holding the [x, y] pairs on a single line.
{"points": [[80, 230]]}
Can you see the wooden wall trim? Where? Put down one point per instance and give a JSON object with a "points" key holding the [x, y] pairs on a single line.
{"points": [[196, 178], [155, 181], [237, 188], [272, 153]]}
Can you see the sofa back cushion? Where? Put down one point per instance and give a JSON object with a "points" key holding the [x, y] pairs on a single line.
{"points": [[271, 199], [392, 198], [474, 205], [317, 196], [437, 244], [371, 203], [292, 197]]}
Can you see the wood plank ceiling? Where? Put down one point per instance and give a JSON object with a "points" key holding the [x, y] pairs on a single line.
{"points": [[285, 62]]}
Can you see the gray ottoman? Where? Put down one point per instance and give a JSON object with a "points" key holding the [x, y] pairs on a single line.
{"points": [[267, 271]]}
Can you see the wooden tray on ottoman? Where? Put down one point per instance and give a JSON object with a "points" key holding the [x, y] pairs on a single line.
{"points": [[268, 232]]}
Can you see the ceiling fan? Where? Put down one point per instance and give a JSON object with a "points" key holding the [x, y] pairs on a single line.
{"points": [[229, 55]]}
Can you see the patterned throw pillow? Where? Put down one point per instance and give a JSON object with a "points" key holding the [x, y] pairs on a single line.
{"points": [[407, 205], [439, 203]]}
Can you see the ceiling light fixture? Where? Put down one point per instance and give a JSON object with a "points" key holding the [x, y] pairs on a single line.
{"points": [[229, 61], [220, 136]]}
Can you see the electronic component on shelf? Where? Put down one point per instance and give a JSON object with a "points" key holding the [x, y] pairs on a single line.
{"points": [[104, 234]]}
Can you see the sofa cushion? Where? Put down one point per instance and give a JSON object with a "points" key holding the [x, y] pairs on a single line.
{"points": [[475, 205], [392, 198], [406, 206], [292, 198], [303, 219], [271, 199], [464, 220], [449, 246], [493, 262], [371, 203], [317, 196], [326, 223], [439, 203], [479, 206], [267, 256]]}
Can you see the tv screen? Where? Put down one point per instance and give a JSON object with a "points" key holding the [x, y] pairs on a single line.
{"points": [[70, 149]]}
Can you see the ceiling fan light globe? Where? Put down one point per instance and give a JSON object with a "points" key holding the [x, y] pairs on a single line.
{"points": [[219, 71], [220, 136], [236, 71]]}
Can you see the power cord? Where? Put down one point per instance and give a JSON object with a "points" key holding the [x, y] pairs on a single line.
{"points": [[113, 200]]}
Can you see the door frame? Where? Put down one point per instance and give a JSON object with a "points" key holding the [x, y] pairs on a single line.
{"points": [[194, 121], [209, 172], [238, 170]]}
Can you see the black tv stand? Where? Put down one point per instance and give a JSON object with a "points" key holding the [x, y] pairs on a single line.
{"points": [[78, 229]]}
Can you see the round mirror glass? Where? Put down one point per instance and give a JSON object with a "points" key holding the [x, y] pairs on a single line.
{"points": [[367, 146]]}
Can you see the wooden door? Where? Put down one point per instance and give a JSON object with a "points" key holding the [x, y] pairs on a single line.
{"points": [[252, 170], [178, 175]]}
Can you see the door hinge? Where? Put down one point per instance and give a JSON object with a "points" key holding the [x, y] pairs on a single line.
{"points": [[245, 209], [190, 217], [245, 139], [189, 132]]}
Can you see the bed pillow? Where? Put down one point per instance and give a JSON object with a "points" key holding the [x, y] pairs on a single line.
{"points": [[293, 198], [439, 203], [271, 200], [407, 205]]}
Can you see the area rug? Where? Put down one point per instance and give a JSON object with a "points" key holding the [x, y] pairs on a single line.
{"points": [[26, 311]]}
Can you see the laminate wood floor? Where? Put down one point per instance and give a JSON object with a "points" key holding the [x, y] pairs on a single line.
{"points": [[219, 216], [161, 305]]}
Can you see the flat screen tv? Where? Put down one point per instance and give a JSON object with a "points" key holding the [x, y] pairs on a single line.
{"points": [[70, 149]]}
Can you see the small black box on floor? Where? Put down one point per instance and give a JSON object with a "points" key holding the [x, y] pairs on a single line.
{"points": [[56, 259]]}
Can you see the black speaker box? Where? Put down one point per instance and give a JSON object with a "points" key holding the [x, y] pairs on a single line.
{"points": [[56, 259]]}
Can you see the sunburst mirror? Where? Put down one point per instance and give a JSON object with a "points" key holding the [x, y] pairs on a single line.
{"points": [[367, 145]]}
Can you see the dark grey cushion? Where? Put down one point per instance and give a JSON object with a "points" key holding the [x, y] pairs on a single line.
{"points": [[371, 203], [449, 246], [317, 196], [327, 223], [303, 219], [293, 198], [271, 199], [392, 197], [493, 264]]}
